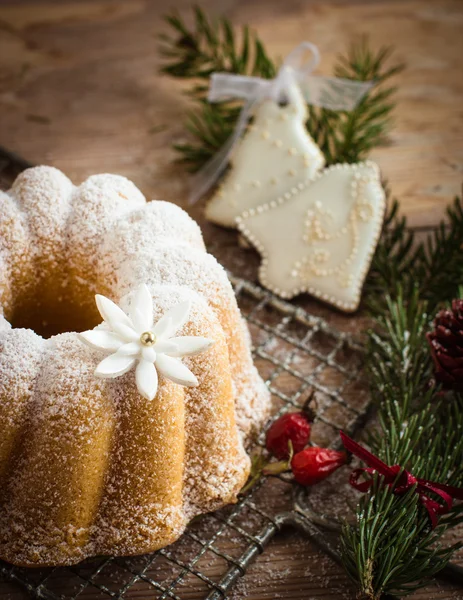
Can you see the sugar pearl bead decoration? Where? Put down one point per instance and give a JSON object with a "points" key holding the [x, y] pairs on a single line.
{"points": [[302, 271], [363, 210], [148, 338]]}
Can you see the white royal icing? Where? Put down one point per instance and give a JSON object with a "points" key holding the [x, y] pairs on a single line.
{"points": [[319, 237], [132, 339], [275, 153]]}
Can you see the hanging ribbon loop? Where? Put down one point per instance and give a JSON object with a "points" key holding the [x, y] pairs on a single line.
{"points": [[333, 93], [401, 481], [229, 86]]}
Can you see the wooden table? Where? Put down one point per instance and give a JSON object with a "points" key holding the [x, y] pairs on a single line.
{"points": [[80, 89]]}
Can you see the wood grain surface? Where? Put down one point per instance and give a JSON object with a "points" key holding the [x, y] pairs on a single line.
{"points": [[80, 89]]}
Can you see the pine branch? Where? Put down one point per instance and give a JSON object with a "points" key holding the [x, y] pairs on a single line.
{"points": [[413, 421], [434, 265], [350, 136], [442, 257], [392, 550], [209, 46], [210, 127], [400, 368], [395, 261]]}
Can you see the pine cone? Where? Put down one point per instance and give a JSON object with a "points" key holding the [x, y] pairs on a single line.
{"points": [[446, 342]]}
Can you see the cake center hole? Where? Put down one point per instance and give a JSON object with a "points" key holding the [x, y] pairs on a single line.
{"points": [[49, 316]]}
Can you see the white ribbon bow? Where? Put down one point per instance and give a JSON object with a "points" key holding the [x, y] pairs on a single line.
{"points": [[333, 93]]}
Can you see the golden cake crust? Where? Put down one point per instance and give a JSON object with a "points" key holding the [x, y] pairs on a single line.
{"points": [[88, 466]]}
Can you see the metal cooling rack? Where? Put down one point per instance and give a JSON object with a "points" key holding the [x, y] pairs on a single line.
{"points": [[295, 353]]}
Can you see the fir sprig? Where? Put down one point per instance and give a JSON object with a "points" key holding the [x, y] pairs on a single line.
{"points": [[417, 428], [349, 136], [211, 45], [394, 261], [434, 265], [392, 550], [442, 257]]}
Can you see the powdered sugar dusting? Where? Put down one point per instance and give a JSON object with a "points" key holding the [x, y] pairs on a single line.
{"points": [[15, 255], [178, 264], [4, 325], [157, 223], [96, 204], [110, 471], [43, 195], [21, 353]]}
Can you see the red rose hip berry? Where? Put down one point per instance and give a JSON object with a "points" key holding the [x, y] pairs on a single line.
{"points": [[291, 427], [315, 464]]}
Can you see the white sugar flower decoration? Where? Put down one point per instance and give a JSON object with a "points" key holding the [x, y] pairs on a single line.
{"points": [[133, 339]]}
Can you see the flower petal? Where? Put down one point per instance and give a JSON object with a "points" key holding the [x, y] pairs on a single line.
{"points": [[147, 379], [178, 314], [110, 312], [190, 345], [149, 354], [174, 370], [165, 346], [127, 333], [141, 310], [138, 321], [102, 340], [163, 326], [114, 366], [130, 349]]}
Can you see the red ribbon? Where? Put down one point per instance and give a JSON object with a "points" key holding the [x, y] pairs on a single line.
{"points": [[402, 481]]}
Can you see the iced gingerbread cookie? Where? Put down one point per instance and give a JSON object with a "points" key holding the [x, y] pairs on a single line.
{"points": [[275, 154], [320, 235]]}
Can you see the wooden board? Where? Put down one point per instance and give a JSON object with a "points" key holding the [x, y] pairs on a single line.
{"points": [[80, 89]]}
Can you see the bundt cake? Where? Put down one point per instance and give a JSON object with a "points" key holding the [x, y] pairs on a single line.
{"points": [[90, 463]]}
